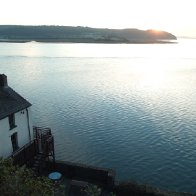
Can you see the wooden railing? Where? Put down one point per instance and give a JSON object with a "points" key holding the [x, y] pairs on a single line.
{"points": [[43, 144], [26, 154], [40, 132], [45, 140]]}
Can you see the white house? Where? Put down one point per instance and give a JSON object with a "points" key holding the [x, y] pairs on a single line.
{"points": [[16, 128]]}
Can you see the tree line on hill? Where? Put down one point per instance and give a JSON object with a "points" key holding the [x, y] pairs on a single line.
{"points": [[19, 33]]}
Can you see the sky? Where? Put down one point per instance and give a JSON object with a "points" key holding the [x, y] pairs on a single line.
{"points": [[175, 16]]}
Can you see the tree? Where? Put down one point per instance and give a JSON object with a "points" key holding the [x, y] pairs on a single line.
{"points": [[21, 181]]}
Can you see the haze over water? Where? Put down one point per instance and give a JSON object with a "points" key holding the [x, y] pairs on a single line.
{"points": [[130, 107]]}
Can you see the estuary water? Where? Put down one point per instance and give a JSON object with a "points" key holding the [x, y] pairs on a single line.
{"points": [[129, 107]]}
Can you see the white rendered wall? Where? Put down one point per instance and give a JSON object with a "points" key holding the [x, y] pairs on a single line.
{"points": [[21, 122], [5, 140]]}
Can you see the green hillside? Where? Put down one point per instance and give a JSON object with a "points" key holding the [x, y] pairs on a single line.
{"points": [[16, 33]]}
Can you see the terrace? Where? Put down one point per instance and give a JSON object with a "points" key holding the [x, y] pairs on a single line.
{"points": [[39, 155]]}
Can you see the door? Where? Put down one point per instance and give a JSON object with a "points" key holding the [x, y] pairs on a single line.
{"points": [[14, 139]]}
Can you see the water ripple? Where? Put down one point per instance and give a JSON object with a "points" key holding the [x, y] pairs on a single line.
{"points": [[108, 112]]}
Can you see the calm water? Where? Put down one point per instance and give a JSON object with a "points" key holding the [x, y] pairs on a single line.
{"points": [[127, 107]]}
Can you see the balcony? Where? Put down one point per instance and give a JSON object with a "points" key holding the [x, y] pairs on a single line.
{"points": [[37, 152]]}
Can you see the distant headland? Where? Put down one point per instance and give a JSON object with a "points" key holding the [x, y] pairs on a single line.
{"points": [[70, 34]]}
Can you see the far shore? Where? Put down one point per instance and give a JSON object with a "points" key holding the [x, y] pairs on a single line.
{"points": [[89, 41]]}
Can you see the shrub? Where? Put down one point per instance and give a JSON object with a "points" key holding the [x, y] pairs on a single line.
{"points": [[20, 181]]}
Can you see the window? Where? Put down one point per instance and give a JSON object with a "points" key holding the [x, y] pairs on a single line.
{"points": [[14, 139], [12, 121]]}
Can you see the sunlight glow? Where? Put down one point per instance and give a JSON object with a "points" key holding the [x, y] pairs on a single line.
{"points": [[154, 79], [156, 32], [151, 75]]}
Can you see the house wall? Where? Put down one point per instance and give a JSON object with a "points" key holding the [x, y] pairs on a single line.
{"points": [[5, 140], [21, 122]]}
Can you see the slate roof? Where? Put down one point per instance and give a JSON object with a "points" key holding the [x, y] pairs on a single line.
{"points": [[11, 102]]}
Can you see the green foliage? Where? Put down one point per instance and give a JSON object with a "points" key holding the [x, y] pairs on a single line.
{"points": [[20, 181], [93, 190], [60, 190]]}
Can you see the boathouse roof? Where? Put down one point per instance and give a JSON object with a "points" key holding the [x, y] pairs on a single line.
{"points": [[10, 101]]}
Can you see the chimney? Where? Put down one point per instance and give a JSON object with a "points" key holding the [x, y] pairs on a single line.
{"points": [[3, 80]]}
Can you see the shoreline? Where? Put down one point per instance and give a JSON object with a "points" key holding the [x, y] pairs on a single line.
{"points": [[87, 41]]}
